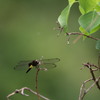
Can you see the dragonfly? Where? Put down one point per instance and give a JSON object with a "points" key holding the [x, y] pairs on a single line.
{"points": [[43, 64]]}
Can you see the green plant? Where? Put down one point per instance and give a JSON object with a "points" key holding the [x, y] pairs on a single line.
{"points": [[89, 22]]}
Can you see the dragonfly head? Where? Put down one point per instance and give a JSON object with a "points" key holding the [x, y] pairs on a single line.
{"points": [[34, 63]]}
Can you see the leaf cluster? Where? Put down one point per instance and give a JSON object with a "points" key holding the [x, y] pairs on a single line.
{"points": [[89, 20]]}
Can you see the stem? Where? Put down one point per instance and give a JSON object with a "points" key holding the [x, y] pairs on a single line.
{"points": [[21, 91], [37, 83], [76, 33]]}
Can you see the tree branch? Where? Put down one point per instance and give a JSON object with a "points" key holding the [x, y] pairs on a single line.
{"points": [[88, 65], [83, 90], [88, 36], [21, 91]]}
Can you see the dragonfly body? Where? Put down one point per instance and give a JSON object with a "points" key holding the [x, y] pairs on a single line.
{"points": [[32, 64]]}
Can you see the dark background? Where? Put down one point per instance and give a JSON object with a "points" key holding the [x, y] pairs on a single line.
{"points": [[27, 33]]}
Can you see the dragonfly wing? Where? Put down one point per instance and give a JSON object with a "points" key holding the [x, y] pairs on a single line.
{"points": [[44, 63], [48, 66], [48, 61], [24, 61], [22, 65]]}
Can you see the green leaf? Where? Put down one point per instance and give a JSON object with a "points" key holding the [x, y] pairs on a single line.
{"points": [[95, 29], [98, 7], [87, 5], [87, 33], [71, 2], [63, 18], [83, 31], [90, 21], [98, 45], [81, 10]]}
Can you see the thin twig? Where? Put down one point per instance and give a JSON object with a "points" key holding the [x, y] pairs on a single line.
{"points": [[37, 72], [21, 91], [88, 65], [83, 90], [97, 80], [76, 33], [37, 83]]}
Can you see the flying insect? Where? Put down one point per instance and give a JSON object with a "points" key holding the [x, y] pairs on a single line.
{"points": [[43, 64]]}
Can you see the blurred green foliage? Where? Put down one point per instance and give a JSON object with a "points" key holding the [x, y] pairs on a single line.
{"points": [[26, 32]]}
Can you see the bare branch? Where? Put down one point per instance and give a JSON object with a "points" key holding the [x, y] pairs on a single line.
{"points": [[88, 65], [37, 83], [21, 91], [97, 80], [76, 33], [83, 90]]}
